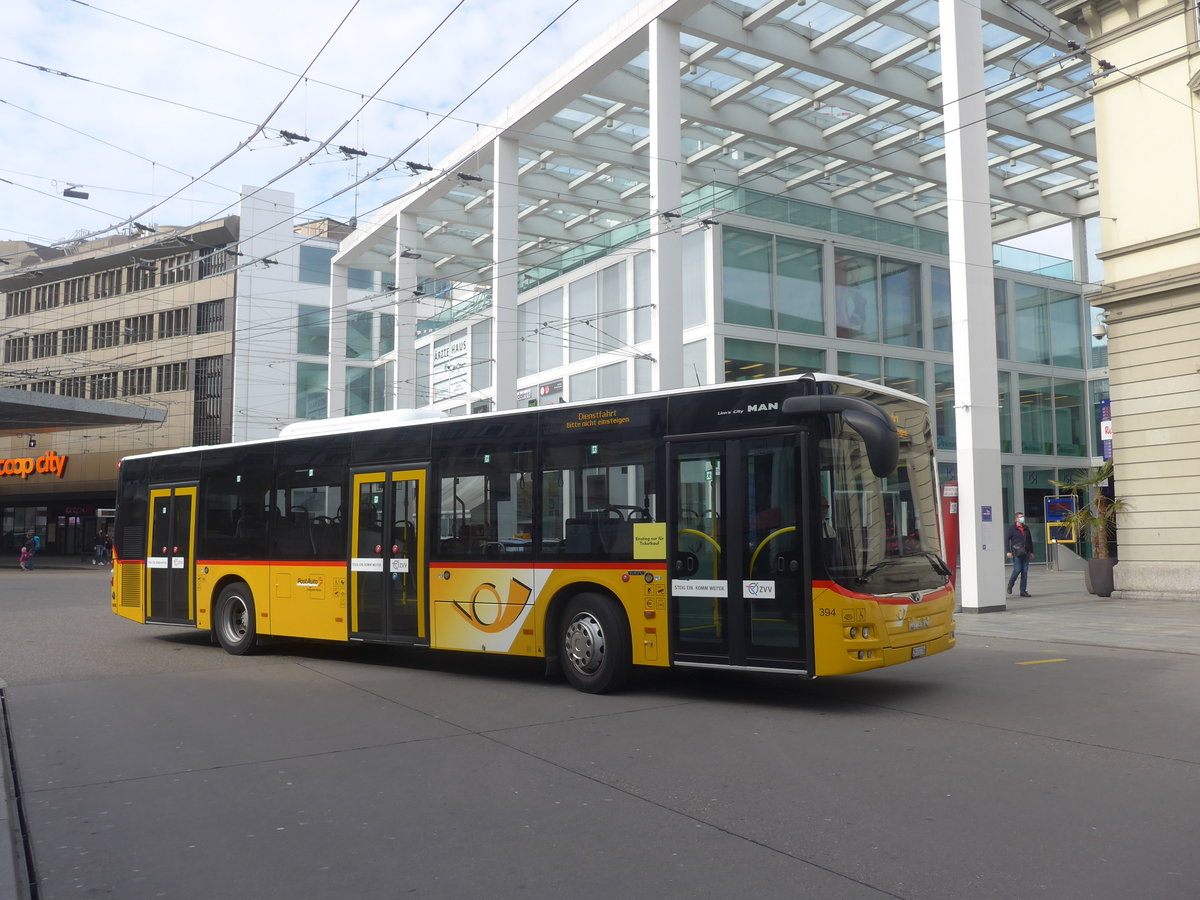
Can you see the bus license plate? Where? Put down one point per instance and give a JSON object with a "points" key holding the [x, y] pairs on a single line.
{"points": [[918, 651]]}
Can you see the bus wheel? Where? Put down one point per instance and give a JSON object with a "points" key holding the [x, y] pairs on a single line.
{"points": [[594, 641], [233, 621]]}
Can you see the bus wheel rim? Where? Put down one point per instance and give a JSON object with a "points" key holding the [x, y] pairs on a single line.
{"points": [[585, 643], [235, 619]]}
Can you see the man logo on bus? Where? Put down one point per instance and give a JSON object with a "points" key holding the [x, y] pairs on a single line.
{"points": [[761, 407], [487, 612]]}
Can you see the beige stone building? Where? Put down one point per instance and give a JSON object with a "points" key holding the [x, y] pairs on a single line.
{"points": [[1146, 61]]}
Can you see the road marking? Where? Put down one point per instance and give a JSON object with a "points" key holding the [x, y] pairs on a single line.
{"points": [[1038, 662]]}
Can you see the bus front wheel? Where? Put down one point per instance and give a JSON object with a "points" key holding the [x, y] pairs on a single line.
{"points": [[233, 620], [594, 642]]}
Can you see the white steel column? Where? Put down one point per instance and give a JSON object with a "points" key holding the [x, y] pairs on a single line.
{"points": [[1079, 249], [406, 310], [505, 346], [338, 280], [976, 402], [666, 243]]}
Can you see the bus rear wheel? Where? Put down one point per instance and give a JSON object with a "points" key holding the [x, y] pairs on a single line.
{"points": [[594, 645], [233, 620]]}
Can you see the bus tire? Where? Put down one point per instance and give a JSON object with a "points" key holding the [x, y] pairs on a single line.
{"points": [[233, 621], [594, 644]]}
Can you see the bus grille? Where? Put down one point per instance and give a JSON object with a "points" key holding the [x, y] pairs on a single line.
{"points": [[131, 586]]}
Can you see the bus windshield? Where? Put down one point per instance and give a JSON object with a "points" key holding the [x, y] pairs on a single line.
{"points": [[880, 535]]}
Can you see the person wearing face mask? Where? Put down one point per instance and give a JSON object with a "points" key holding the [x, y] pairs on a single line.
{"points": [[1018, 542]]}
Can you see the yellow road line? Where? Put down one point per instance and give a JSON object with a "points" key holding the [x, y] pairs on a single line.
{"points": [[1038, 662]]}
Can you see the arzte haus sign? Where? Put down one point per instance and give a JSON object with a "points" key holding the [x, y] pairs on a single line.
{"points": [[47, 464]]}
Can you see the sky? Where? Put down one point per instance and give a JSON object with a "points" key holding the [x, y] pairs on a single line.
{"points": [[153, 108]]}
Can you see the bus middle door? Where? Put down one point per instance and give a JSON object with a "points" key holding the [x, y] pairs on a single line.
{"points": [[169, 556], [388, 587], [739, 576]]}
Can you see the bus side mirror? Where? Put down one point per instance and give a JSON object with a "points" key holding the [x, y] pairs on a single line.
{"points": [[876, 427]]}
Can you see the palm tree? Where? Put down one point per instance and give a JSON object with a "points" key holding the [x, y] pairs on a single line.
{"points": [[1096, 514]]}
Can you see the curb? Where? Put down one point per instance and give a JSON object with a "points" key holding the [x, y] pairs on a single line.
{"points": [[14, 869]]}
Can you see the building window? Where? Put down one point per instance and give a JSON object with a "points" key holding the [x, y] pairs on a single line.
{"points": [[210, 317], [141, 276], [106, 284], [314, 264], [312, 330], [312, 385], [173, 323], [106, 334], [75, 290], [857, 298], [387, 335], [45, 345], [171, 377], [747, 271], [747, 360], [358, 335], [18, 303], [540, 323], [46, 296], [175, 269], [135, 381], [360, 279], [103, 386], [16, 349], [138, 329], [358, 390], [76, 386], [213, 261], [1037, 415], [43, 387], [206, 414], [74, 340]]}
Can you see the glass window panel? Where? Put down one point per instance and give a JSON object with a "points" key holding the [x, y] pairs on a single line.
{"points": [[643, 374], [312, 330], [855, 286], [527, 324], [900, 283], [1000, 289], [1037, 422], [481, 355], [382, 378], [695, 363], [906, 375], [747, 277], [550, 331], [798, 360], [1006, 439], [360, 279], [583, 385], [1066, 314], [312, 382], [358, 335], [745, 360], [798, 280], [611, 322], [612, 380], [641, 298], [358, 390], [860, 365], [1070, 422], [943, 330], [1033, 329], [582, 333], [387, 334], [695, 277], [943, 400], [314, 264]]}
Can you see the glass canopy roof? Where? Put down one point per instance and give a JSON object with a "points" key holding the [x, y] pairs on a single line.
{"points": [[834, 102]]}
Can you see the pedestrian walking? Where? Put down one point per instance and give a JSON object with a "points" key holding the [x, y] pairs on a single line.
{"points": [[23, 557], [1018, 543]]}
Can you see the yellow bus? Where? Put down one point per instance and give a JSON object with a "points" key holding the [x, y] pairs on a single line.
{"points": [[785, 525]]}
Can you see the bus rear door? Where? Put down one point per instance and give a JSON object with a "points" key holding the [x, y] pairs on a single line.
{"points": [[739, 574], [169, 556], [388, 586]]}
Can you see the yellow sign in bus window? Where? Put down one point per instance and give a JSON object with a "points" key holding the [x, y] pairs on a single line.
{"points": [[649, 540]]}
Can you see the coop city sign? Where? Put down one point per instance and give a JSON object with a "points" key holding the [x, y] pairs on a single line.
{"points": [[49, 463]]}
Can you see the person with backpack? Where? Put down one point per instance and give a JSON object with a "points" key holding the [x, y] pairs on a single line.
{"points": [[1018, 544]]}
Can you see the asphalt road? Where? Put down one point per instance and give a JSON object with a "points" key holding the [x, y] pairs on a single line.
{"points": [[152, 764]]}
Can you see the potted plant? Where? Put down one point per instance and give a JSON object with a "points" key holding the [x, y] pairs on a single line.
{"points": [[1096, 518]]}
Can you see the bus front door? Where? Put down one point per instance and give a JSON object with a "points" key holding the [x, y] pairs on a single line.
{"points": [[169, 556], [387, 565], [739, 580]]}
